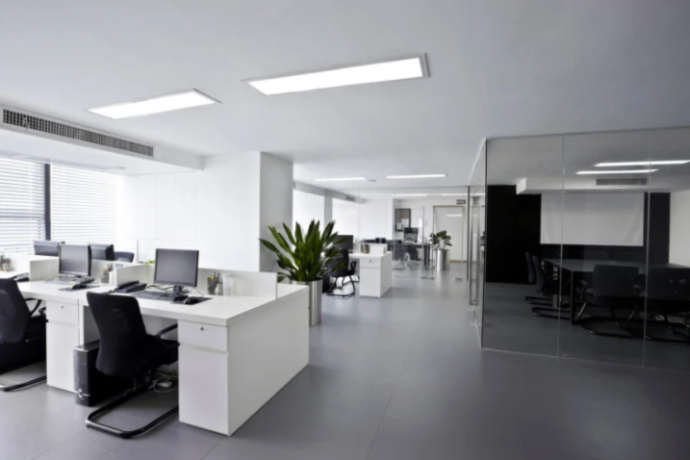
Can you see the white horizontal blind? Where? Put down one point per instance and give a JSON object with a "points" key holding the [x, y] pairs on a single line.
{"points": [[22, 195], [83, 205]]}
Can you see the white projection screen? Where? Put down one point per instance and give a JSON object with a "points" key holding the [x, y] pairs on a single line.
{"points": [[605, 219]]}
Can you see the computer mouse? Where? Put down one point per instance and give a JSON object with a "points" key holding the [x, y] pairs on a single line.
{"points": [[77, 286], [190, 301]]}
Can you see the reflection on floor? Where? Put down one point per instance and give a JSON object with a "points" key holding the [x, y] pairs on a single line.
{"points": [[399, 378], [510, 325]]}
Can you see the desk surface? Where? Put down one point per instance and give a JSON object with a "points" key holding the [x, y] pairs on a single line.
{"points": [[587, 266], [360, 255], [220, 310]]}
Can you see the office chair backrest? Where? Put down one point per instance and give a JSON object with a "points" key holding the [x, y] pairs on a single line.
{"points": [[123, 335], [14, 312], [614, 281], [124, 256], [343, 257], [539, 272], [531, 275], [668, 284], [595, 255]]}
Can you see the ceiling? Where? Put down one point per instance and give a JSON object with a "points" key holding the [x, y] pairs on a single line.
{"points": [[497, 68]]}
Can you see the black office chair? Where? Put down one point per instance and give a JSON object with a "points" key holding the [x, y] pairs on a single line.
{"points": [[668, 298], [613, 288], [124, 256], [22, 335], [548, 285], [532, 279], [341, 267], [399, 252], [127, 352]]}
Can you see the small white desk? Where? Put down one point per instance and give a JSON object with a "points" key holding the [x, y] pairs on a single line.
{"points": [[235, 352], [375, 273]]}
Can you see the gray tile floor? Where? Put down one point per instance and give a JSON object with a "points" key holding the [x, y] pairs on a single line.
{"points": [[398, 378]]}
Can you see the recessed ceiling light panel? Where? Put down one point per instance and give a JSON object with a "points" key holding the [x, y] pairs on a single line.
{"points": [[418, 176], [167, 103], [409, 194], [626, 171], [641, 163], [339, 179], [399, 69]]}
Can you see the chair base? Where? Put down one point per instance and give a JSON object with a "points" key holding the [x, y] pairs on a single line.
{"points": [[125, 434], [20, 386], [344, 296]]}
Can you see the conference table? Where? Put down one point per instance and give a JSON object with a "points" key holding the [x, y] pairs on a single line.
{"points": [[579, 267]]}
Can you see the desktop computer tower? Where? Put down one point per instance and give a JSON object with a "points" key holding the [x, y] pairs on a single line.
{"points": [[91, 385]]}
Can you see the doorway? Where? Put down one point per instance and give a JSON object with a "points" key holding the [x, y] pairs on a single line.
{"points": [[451, 218]]}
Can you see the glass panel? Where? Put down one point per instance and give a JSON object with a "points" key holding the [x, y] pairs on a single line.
{"points": [[603, 229]]}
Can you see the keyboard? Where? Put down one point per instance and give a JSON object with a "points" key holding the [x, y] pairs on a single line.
{"points": [[69, 280], [154, 295]]}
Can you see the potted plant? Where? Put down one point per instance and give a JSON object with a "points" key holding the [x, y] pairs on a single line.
{"points": [[305, 258], [439, 241]]}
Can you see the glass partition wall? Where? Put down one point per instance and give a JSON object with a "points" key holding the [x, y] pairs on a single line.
{"points": [[587, 252]]}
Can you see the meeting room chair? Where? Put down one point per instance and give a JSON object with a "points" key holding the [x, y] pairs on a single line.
{"points": [[22, 333], [667, 304], [347, 271], [613, 288], [127, 352], [124, 256], [532, 279], [548, 285]]}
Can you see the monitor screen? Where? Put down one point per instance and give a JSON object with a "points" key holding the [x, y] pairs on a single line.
{"points": [[410, 234], [75, 259], [47, 248], [177, 267], [348, 243], [102, 251]]}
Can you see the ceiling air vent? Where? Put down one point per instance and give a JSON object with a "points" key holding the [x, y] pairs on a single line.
{"points": [[43, 125], [633, 181]]}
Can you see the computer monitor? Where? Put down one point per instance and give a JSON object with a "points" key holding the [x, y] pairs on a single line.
{"points": [[47, 248], [75, 260], [102, 251], [348, 243], [178, 267], [410, 234]]}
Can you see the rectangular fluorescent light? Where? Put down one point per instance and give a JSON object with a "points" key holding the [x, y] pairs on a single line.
{"points": [[453, 215], [339, 179], [400, 69], [410, 194], [167, 103], [642, 163], [417, 176], [453, 194], [621, 171]]}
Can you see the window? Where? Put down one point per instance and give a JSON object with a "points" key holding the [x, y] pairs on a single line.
{"points": [[83, 205], [22, 205]]}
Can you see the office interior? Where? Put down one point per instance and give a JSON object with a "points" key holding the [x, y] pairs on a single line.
{"points": [[588, 256], [147, 147]]}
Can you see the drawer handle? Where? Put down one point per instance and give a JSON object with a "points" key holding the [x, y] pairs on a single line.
{"points": [[201, 328], [62, 306]]}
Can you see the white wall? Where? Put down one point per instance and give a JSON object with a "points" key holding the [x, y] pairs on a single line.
{"points": [[680, 228], [307, 207], [219, 211], [346, 216], [376, 219]]}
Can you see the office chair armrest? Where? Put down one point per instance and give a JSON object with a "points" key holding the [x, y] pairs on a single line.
{"points": [[353, 265], [162, 332]]}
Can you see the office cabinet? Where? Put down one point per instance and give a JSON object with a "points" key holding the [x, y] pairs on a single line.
{"points": [[61, 339]]}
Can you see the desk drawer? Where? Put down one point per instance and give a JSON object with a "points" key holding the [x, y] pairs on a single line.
{"points": [[62, 313], [203, 335], [370, 262]]}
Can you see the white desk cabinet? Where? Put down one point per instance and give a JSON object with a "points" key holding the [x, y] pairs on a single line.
{"points": [[375, 273]]}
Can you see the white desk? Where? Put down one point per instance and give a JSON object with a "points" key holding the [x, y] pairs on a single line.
{"points": [[235, 352], [375, 273]]}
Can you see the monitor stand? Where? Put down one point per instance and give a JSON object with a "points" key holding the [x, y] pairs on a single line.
{"points": [[178, 291]]}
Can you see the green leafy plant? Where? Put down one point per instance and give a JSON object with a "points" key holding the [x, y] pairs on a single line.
{"points": [[440, 239], [305, 256]]}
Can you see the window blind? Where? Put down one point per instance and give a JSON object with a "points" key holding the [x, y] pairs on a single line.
{"points": [[83, 205], [22, 199]]}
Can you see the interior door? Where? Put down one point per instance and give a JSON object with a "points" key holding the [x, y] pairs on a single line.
{"points": [[452, 220]]}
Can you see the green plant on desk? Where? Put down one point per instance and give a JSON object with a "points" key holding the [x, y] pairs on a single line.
{"points": [[306, 256], [440, 240]]}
